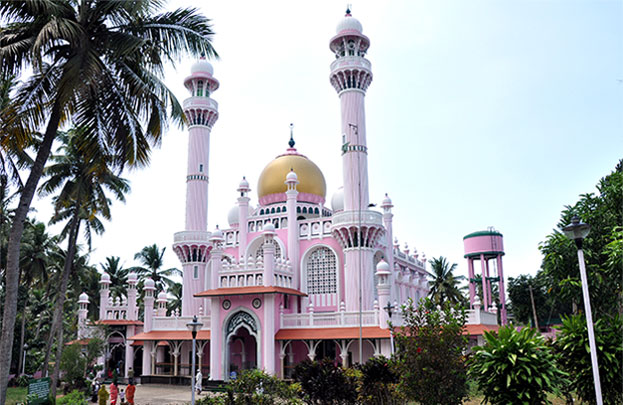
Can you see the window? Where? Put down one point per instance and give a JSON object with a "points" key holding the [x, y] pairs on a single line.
{"points": [[322, 272], [195, 271], [200, 167], [259, 253], [200, 88]]}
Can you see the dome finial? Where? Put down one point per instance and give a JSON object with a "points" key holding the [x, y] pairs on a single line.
{"points": [[291, 142], [348, 6]]}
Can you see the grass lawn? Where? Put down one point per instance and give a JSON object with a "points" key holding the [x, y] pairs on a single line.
{"points": [[16, 395], [478, 400]]}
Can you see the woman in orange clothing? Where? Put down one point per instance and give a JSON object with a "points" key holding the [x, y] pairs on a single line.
{"points": [[114, 391], [129, 393]]}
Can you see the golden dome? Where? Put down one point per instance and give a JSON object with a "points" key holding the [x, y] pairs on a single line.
{"points": [[273, 177]]}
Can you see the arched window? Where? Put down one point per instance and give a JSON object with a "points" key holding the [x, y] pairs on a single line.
{"points": [[322, 271], [259, 253], [304, 210], [200, 88], [316, 211], [272, 211], [261, 212], [278, 209]]}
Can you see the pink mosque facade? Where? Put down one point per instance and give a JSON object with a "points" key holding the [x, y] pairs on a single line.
{"points": [[290, 278]]}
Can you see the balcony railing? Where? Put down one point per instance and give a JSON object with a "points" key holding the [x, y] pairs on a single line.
{"points": [[178, 323]]}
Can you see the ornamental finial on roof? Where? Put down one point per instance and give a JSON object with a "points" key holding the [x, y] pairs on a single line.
{"points": [[348, 6], [291, 142]]}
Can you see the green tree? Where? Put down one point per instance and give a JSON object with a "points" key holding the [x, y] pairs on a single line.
{"points": [[429, 358], [176, 302], [325, 383], [37, 248], [82, 175], [602, 210], [99, 65], [547, 305], [151, 259], [118, 275], [444, 285], [515, 367], [575, 358]]}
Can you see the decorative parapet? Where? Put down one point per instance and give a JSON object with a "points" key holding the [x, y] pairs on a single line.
{"points": [[178, 322]]}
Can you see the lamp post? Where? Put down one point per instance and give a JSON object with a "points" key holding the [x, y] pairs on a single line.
{"points": [[577, 231], [194, 326], [389, 308], [24, 360]]}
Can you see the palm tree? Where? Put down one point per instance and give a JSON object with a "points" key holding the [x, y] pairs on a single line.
{"points": [[176, 303], [37, 247], [98, 64], [118, 275], [151, 258], [444, 284], [82, 174]]}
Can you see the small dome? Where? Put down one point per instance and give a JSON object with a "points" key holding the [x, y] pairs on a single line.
{"points": [[217, 234], [244, 184], [269, 228], [382, 267], [132, 278], [202, 66], [232, 216], [337, 201], [292, 177], [83, 299], [150, 284], [162, 296], [387, 202], [349, 23], [105, 279]]}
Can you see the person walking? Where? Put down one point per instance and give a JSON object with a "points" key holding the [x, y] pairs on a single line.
{"points": [[114, 392], [198, 381], [129, 393], [102, 395]]}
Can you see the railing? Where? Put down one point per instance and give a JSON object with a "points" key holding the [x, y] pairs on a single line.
{"points": [[353, 217], [178, 323], [329, 319], [351, 61], [191, 236], [476, 317], [200, 102]]}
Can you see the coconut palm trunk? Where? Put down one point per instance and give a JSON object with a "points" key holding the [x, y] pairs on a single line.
{"points": [[13, 249], [57, 319]]}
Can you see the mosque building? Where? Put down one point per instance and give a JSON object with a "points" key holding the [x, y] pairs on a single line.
{"points": [[290, 278]]}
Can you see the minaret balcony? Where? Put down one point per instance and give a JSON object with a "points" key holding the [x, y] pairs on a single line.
{"points": [[199, 103], [365, 218], [350, 62], [188, 237]]}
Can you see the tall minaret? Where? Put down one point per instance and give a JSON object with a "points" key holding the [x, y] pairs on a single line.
{"points": [[351, 75], [192, 245], [357, 228]]}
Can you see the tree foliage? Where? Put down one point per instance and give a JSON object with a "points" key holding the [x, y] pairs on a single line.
{"points": [[603, 249], [572, 345], [430, 350], [515, 367], [444, 285]]}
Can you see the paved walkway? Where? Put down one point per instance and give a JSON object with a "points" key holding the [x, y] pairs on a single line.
{"points": [[154, 394]]}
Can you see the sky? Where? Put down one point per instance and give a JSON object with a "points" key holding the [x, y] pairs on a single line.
{"points": [[480, 113]]}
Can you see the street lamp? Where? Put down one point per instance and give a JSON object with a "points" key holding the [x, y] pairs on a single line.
{"points": [[193, 326], [389, 308], [577, 231], [24, 360]]}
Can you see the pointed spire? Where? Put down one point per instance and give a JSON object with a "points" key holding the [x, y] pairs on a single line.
{"points": [[348, 6], [291, 142]]}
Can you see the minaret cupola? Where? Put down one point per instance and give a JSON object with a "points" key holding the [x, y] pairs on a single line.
{"points": [[350, 70]]}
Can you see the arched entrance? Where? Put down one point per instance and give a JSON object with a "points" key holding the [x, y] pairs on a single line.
{"points": [[241, 340]]}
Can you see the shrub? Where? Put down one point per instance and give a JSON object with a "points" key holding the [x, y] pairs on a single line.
{"points": [[325, 383], [73, 398], [515, 367], [575, 359], [429, 358], [378, 382], [258, 388]]}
